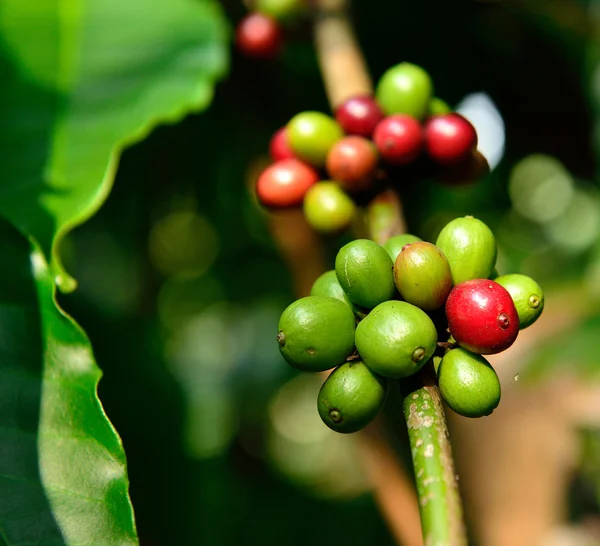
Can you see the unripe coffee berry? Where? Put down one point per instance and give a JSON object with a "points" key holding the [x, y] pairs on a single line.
{"points": [[359, 115], [405, 89], [396, 339], [282, 10], [449, 139], [422, 275], [285, 183], [327, 208], [364, 270], [351, 397], [259, 36], [468, 384], [399, 139], [527, 296], [316, 333], [279, 147], [470, 247], [482, 317], [395, 244], [352, 162], [311, 135], [438, 107]]}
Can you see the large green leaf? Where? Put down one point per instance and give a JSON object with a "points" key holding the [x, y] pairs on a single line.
{"points": [[81, 79], [62, 467]]}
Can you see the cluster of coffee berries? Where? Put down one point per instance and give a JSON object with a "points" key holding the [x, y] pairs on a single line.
{"points": [[322, 163], [385, 311], [260, 33]]}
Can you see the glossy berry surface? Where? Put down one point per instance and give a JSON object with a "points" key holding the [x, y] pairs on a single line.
{"points": [[327, 208], [285, 183], [364, 271], [482, 317], [279, 147], [399, 139], [258, 35], [422, 275], [316, 334], [359, 115], [405, 89], [352, 162], [351, 397], [468, 383], [282, 10], [311, 135], [438, 107], [527, 296], [449, 139]]}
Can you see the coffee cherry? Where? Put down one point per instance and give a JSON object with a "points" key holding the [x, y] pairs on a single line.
{"points": [[470, 247], [279, 147], [482, 317], [359, 115], [468, 384], [395, 244], [396, 339], [352, 163], [449, 139], [438, 107], [327, 208], [527, 296], [316, 334], [465, 172], [283, 10], [311, 135], [328, 286], [364, 270], [285, 183], [422, 275], [405, 89], [351, 397], [399, 139], [259, 36]]}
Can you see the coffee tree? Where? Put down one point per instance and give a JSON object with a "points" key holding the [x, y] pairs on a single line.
{"points": [[402, 303]]}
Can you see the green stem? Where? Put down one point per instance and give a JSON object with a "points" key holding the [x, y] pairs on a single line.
{"points": [[439, 499], [437, 488]]}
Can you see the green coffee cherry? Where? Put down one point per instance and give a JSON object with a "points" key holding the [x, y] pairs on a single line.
{"points": [[394, 244], [527, 295], [470, 247], [327, 208], [311, 135], [438, 107], [405, 89], [422, 275], [351, 397], [364, 270], [282, 10], [396, 339], [316, 333], [468, 384], [327, 286]]}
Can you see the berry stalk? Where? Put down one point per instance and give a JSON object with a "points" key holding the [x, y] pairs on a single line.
{"points": [[345, 74], [440, 505]]}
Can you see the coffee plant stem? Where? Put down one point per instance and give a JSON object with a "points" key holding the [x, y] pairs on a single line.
{"points": [[437, 489], [345, 74]]}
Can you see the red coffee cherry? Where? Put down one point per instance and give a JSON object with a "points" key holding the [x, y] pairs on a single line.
{"points": [[279, 147], [352, 162], [359, 115], [399, 139], [449, 138], [482, 317], [465, 172], [284, 184], [259, 36]]}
